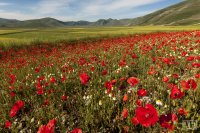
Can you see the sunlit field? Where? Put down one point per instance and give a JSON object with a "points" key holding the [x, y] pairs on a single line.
{"points": [[18, 37], [133, 79]]}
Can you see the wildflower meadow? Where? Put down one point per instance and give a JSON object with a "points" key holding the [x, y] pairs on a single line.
{"points": [[135, 83]]}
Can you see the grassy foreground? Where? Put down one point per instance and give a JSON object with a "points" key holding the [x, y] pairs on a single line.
{"points": [[14, 37]]}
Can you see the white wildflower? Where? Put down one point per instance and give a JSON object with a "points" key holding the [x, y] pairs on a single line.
{"points": [[159, 103], [114, 98], [100, 102]]}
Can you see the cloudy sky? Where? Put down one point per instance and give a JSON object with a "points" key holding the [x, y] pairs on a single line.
{"points": [[90, 10]]}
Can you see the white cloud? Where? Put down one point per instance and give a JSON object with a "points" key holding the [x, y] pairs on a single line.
{"points": [[5, 4], [14, 15], [21, 16], [109, 8], [91, 8], [84, 10], [50, 6], [116, 5], [130, 3]]}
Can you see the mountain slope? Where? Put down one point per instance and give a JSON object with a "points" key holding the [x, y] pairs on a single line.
{"points": [[7, 22], [44, 22], [77, 23], [184, 13]]}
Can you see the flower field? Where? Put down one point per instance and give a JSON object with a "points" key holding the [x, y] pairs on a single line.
{"points": [[135, 83]]}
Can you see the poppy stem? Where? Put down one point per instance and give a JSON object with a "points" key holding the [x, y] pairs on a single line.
{"points": [[170, 104]]}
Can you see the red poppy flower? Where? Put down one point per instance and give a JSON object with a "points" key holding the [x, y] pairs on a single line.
{"points": [[53, 80], [39, 85], [151, 71], [190, 58], [63, 78], [103, 63], [104, 72], [167, 61], [92, 68], [63, 97], [108, 86], [84, 78], [82, 61], [12, 78], [183, 53], [186, 85], [122, 63], [134, 56], [153, 59], [40, 91], [142, 92], [195, 64], [125, 98], [147, 115], [11, 88], [197, 76], [166, 121], [43, 129], [46, 102], [138, 102], [41, 78], [49, 128], [114, 81], [122, 79], [176, 93], [175, 75], [51, 123], [133, 81], [12, 94], [134, 121], [125, 113], [198, 57], [16, 107], [37, 69], [7, 124], [165, 79], [93, 59], [192, 84], [46, 84], [182, 111]]}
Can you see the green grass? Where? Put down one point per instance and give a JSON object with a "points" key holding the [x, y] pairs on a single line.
{"points": [[10, 37]]}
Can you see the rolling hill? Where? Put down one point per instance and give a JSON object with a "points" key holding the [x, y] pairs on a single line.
{"points": [[184, 13], [44, 22]]}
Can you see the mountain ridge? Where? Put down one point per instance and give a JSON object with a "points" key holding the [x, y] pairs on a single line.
{"points": [[184, 13]]}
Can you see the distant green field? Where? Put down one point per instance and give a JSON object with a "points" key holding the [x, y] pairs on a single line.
{"points": [[10, 37]]}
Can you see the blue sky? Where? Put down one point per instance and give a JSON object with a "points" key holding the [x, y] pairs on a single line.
{"points": [[91, 10]]}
